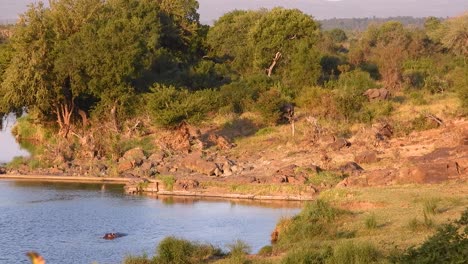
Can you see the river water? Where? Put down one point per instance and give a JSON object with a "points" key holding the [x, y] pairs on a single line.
{"points": [[65, 222]]}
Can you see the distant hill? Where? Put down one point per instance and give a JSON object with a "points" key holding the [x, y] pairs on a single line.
{"points": [[361, 24]]}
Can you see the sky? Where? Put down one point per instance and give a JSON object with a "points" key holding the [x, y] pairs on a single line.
{"points": [[210, 10]]}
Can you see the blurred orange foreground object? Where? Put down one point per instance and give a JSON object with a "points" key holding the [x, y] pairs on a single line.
{"points": [[35, 258]]}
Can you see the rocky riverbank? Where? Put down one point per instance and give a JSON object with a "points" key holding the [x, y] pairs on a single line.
{"points": [[277, 166]]}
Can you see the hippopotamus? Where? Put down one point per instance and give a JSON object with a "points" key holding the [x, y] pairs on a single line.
{"points": [[110, 236]]}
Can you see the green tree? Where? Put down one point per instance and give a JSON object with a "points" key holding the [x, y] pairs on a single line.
{"points": [[283, 42], [228, 39]]}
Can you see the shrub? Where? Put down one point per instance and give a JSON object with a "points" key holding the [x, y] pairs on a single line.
{"points": [[169, 106], [349, 91], [421, 123], [371, 222], [237, 252], [269, 105], [265, 251], [317, 219], [168, 181], [174, 250], [431, 206], [448, 245], [318, 102]]}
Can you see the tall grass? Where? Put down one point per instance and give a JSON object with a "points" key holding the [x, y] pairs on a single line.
{"points": [[371, 222], [316, 220], [354, 253], [431, 206]]}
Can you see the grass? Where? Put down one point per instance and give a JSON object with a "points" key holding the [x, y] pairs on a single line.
{"points": [[431, 206], [168, 181], [354, 253], [327, 178], [371, 222], [258, 189], [173, 250]]}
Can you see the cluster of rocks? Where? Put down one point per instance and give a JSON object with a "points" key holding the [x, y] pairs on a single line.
{"points": [[213, 166], [294, 174]]}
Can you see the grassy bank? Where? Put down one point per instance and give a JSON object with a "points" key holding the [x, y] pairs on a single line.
{"points": [[403, 224]]}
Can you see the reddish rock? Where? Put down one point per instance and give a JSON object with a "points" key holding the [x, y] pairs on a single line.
{"points": [[380, 177], [351, 168], [187, 184], [377, 94], [339, 144], [157, 157], [134, 155], [429, 173], [366, 157], [124, 166], [195, 163]]}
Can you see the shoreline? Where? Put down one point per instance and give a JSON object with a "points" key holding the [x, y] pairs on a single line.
{"points": [[151, 192], [71, 179]]}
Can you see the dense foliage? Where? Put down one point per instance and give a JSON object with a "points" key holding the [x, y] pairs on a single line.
{"points": [[111, 60]]}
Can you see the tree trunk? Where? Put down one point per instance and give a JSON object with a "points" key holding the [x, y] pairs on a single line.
{"points": [[84, 118], [114, 117], [64, 114], [273, 64]]}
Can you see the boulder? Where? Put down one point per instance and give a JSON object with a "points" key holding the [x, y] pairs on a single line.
{"points": [[351, 168], [136, 156], [381, 177], [195, 163], [339, 144], [124, 165], [366, 157], [186, 184], [157, 157], [298, 179], [430, 172], [377, 94]]}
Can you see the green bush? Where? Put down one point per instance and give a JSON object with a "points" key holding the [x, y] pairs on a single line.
{"points": [[173, 250], [265, 251], [269, 106], [168, 181], [316, 220], [169, 106], [349, 89], [238, 252], [448, 245]]}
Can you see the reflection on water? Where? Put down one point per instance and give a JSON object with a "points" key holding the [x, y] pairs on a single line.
{"points": [[65, 222], [9, 148]]}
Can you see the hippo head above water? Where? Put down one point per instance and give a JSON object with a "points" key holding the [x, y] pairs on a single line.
{"points": [[110, 236]]}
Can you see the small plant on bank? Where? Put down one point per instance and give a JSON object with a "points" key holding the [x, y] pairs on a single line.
{"points": [[265, 251], [238, 252], [371, 222], [431, 206], [175, 250], [168, 181]]}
